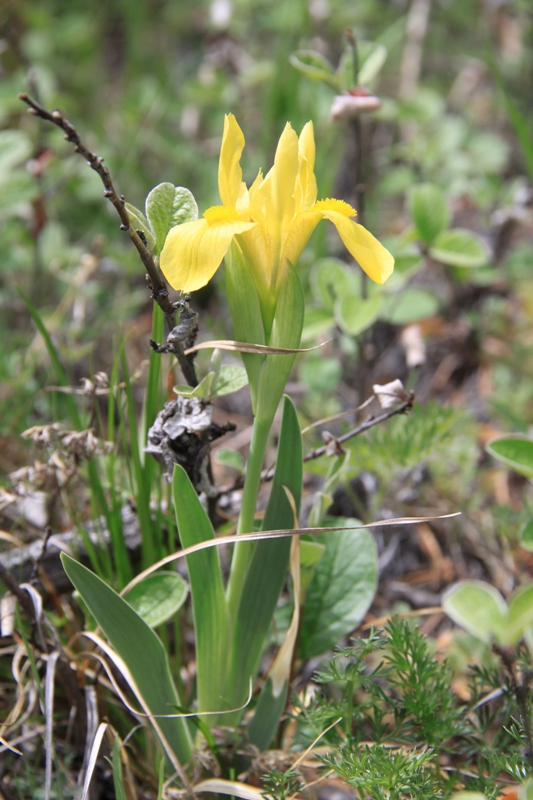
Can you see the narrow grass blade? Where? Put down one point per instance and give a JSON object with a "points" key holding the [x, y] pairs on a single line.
{"points": [[210, 610], [95, 749], [139, 648]]}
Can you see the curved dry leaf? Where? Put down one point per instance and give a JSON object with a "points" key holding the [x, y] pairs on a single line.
{"points": [[95, 749], [247, 347], [275, 534]]}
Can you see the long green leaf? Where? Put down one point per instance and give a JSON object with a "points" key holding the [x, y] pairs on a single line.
{"points": [[140, 649], [268, 568], [210, 610]]}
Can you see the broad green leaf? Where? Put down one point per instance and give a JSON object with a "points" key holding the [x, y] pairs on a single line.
{"points": [[526, 536], [157, 598], [330, 278], [230, 458], [429, 210], [341, 590], [231, 378], [140, 222], [311, 553], [268, 568], [140, 649], [409, 305], [315, 66], [459, 248], [166, 207], [515, 451], [520, 616], [478, 608], [354, 315], [286, 332], [371, 57], [268, 711], [210, 610]]}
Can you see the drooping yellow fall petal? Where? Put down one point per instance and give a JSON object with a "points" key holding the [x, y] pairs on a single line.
{"points": [[193, 251], [370, 254], [229, 167]]}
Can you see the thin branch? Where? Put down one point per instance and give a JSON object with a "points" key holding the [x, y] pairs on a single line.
{"points": [[158, 287], [268, 474], [368, 423]]}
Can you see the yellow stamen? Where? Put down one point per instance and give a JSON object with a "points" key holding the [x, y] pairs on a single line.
{"points": [[330, 204], [221, 214]]}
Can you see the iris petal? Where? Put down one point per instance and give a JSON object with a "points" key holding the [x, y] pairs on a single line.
{"points": [[193, 251], [229, 168], [370, 254]]}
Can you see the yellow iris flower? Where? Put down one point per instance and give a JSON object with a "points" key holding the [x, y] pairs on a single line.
{"points": [[270, 222]]}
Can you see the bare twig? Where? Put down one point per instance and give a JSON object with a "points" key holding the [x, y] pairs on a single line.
{"points": [[157, 285], [368, 423], [268, 474]]}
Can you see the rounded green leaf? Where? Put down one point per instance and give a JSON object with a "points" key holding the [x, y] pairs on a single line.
{"points": [[231, 378], [341, 590], [315, 66], [157, 598], [230, 458], [166, 207], [459, 248], [478, 608], [354, 315], [411, 305], [429, 210], [520, 616], [526, 536], [515, 451], [330, 278]]}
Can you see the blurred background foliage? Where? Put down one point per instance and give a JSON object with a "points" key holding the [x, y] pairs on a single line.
{"points": [[147, 85]]}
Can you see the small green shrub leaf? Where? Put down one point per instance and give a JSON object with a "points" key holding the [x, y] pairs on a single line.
{"points": [[354, 315], [515, 451], [315, 66], [157, 598], [459, 248], [231, 378], [139, 222], [330, 278], [341, 589], [478, 608], [429, 210], [520, 613], [166, 207], [411, 305], [230, 458]]}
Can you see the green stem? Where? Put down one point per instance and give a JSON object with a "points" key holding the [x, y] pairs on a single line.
{"points": [[252, 482]]}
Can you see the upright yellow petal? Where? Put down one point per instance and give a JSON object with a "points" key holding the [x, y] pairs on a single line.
{"points": [[305, 190], [193, 251], [229, 168]]}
